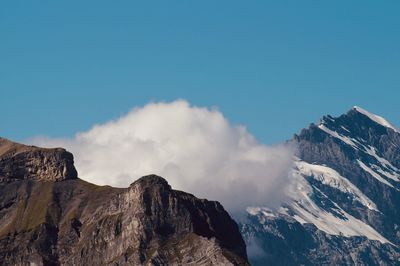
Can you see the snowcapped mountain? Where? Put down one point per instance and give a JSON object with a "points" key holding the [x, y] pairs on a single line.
{"points": [[344, 207]]}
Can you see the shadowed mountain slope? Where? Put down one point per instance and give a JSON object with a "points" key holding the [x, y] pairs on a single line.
{"points": [[48, 216], [344, 207]]}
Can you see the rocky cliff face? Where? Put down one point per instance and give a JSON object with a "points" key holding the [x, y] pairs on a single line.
{"points": [[18, 161], [48, 216], [344, 206]]}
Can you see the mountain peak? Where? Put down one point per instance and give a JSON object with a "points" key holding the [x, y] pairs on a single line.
{"points": [[345, 196], [18, 161], [151, 181], [78, 223], [376, 118]]}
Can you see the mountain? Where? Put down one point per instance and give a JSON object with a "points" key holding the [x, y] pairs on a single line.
{"points": [[48, 216], [343, 208], [344, 205]]}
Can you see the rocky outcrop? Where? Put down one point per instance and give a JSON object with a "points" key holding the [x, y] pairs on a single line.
{"points": [[284, 241], [18, 161], [344, 205], [72, 222]]}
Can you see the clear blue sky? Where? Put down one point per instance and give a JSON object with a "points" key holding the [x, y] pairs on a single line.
{"points": [[274, 66]]}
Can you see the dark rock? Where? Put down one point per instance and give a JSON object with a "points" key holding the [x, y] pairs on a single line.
{"points": [[72, 222], [351, 138]]}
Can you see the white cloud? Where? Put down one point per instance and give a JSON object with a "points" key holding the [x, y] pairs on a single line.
{"points": [[195, 149]]}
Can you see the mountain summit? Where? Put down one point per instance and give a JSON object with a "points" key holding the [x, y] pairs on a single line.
{"points": [[18, 161], [48, 216], [344, 205], [378, 119], [343, 208]]}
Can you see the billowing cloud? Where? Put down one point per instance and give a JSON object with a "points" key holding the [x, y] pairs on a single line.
{"points": [[196, 149]]}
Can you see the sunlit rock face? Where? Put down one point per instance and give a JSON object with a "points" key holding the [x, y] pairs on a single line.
{"points": [[48, 216], [18, 161]]}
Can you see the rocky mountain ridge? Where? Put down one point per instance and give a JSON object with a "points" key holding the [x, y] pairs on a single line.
{"points": [[342, 210], [18, 161], [344, 206], [48, 216]]}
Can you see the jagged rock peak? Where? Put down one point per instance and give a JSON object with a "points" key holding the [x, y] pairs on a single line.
{"points": [[150, 181], [376, 118], [361, 117], [18, 161], [78, 223]]}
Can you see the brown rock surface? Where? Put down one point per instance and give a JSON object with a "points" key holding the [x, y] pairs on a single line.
{"points": [[72, 222], [19, 161]]}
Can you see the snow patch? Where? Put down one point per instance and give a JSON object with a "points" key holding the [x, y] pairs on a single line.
{"points": [[330, 224], [330, 177], [338, 136], [373, 173], [306, 211], [392, 176], [260, 210], [372, 151], [345, 129], [376, 118]]}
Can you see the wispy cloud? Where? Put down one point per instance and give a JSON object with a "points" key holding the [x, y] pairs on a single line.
{"points": [[196, 149]]}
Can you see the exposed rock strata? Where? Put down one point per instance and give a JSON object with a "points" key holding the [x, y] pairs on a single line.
{"points": [[72, 222]]}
